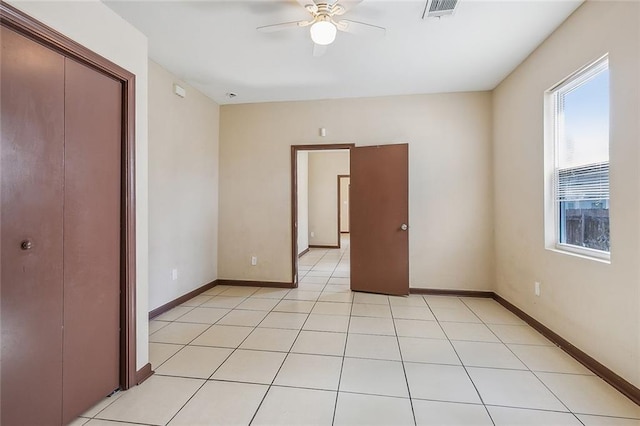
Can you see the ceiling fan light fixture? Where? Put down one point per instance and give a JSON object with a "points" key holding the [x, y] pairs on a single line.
{"points": [[323, 32]]}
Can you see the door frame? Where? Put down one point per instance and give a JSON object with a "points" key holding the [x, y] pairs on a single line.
{"points": [[340, 205], [33, 29], [294, 200]]}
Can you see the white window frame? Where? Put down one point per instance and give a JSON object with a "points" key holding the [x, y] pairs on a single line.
{"points": [[551, 136]]}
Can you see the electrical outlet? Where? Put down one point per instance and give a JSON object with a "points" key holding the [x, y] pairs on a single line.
{"points": [[254, 260], [536, 288], [313, 234], [174, 274]]}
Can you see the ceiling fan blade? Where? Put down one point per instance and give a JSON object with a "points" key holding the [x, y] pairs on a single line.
{"points": [[319, 50], [360, 28], [338, 10], [283, 26], [347, 5]]}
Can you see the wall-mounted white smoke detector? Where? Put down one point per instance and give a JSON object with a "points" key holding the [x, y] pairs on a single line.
{"points": [[439, 8]]}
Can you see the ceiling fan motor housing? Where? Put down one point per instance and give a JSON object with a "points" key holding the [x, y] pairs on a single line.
{"points": [[325, 9], [323, 25]]}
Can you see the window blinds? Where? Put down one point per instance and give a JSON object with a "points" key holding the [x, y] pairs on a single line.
{"points": [[589, 182]]}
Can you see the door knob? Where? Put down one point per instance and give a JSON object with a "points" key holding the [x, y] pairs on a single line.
{"points": [[404, 227], [26, 245]]}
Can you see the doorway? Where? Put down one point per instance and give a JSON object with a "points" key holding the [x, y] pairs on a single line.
{"points": [[377, 258], [319, 250], [73, 147]]}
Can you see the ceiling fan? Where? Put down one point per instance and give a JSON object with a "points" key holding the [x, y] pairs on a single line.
{"points": [[323, 26]]}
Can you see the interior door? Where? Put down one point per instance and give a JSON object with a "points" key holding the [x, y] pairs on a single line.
{"points": [[379, 207], [93, 118], [61, 139], [32, 140]]}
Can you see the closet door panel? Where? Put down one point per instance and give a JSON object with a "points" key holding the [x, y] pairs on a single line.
{"points": [[91, 237], [32, 137]]}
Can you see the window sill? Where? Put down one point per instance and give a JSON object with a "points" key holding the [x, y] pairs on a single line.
{"points": [[583, 253]]}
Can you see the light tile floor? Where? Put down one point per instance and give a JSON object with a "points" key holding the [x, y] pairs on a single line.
{"points": [[323, 355]]}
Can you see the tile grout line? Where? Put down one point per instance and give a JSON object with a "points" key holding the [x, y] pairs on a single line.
{"points": [[549, 389], [344, 352], [230, 354], [100, 411], [238, 348], [346, 339], [178, 351], [404, 369], [346, 334], [306, 273], [200, 334], [120, 421], [214, 371], [344, 356], [312, 266], [285, 358], [528, 368], [404, 398], [460, 359], [485, 404], [375, 394], [255, 327], [543, 383]]}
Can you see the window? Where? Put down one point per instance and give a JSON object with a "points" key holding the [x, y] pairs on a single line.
{"points": [[579, 203]]}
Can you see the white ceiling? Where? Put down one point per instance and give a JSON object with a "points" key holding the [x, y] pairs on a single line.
{"points": [[214, 46]]}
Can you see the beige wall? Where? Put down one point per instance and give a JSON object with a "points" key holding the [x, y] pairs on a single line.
{"points": [[108, 35], [183, 188], [344, 204], [303, 200], [324, 168], [592, 304], [451, 213]]}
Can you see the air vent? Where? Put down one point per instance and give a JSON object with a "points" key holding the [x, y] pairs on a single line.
{"points": [[439, 8]]}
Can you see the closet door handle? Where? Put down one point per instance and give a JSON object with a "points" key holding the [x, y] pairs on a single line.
{"points": [[26, 245]]}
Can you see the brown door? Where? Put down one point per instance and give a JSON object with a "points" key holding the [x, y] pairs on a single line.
{"points": [[32, 132], [60, 241], [379, 201], [93, 119]]}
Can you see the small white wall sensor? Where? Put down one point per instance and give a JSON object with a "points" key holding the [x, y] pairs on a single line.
{"points": [[179, 90]]}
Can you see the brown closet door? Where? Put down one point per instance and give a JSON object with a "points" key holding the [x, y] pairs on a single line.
{"points": [[32, 137], [93, 107]]}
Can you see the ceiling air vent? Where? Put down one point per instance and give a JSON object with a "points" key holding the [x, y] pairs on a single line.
{"points": [[439, 8]]}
